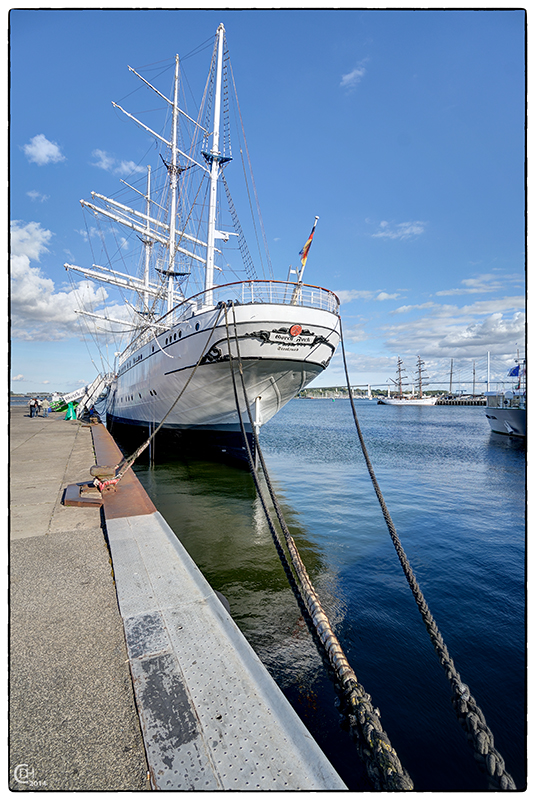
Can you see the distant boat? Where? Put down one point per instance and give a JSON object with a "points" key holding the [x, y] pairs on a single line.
{"points": [[402, 399], [407, 401], [506, 409]]}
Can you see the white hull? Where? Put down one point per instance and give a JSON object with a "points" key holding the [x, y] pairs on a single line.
{"points": [[509, 421], [276, 367], [176, 372], [415, 401]]}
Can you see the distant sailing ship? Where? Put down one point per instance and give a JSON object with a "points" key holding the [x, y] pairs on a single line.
{"points": [[402, 399], [177, 365]]}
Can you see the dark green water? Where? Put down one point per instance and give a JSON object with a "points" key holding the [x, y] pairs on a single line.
{"points": [[456, 493]]}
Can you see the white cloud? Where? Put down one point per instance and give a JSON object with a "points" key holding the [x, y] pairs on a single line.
{"points": [[105, 161], [406, 309], [41, 151], [30, 240], [128, 167], [480, 307], [493, 332], [362, 368], [470, 331], [17, 378], [480, 284], [403, 230], [109, 163], [38, 311], [355, 334], [347, 295], [35, 195], [351, 79], [385, 296]]}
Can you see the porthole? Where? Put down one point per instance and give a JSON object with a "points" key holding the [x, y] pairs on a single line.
{"points": [[197, 326], [179, 334], [174, 337]]}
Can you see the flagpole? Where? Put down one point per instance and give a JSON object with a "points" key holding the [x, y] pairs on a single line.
{"points": [[304, 251], [304, 255]]}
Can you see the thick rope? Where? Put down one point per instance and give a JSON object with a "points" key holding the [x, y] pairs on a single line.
{"points": [[468, 712], [125, 464], [382, 763]]}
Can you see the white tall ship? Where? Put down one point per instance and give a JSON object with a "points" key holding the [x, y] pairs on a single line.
{"points": [[401, 398], [187, 304]]}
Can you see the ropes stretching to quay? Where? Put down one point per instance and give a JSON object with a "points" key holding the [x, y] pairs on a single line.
{"points": [[381, 760], [468, 712], [125, 464], [382, 763]]}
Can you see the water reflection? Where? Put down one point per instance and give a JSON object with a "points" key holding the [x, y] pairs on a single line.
{"points": [[456, 493], [214, 511], [457, 497]]}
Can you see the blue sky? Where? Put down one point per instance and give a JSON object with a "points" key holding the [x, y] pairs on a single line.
{"points": [[402, 130]]}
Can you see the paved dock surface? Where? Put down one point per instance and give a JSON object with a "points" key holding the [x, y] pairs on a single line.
{"points": [[212, 717], [207, 715], [73, 721]]}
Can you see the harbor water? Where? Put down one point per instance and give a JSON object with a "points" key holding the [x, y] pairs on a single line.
{"points": [[456, 493]]}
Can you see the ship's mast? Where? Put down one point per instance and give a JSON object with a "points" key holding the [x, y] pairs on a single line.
{"points": [[155, 231], [419, 380], [214, 157], [399, 382], [173, 188], [147, 244]]}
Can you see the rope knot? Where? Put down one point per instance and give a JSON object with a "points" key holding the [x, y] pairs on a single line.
{"points": [[106, 487]]}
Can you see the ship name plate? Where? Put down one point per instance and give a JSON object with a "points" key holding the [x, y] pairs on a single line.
{"points": [[285, 338]]}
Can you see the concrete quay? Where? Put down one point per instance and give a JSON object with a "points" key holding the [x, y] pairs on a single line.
{"points": [[73, 720], [211, 716]]}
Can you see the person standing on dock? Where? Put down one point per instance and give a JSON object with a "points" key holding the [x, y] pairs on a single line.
{"points": [[34, 407]]}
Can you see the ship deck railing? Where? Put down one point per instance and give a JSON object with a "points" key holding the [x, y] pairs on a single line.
{"points": [[240, 293], [501, 399]]}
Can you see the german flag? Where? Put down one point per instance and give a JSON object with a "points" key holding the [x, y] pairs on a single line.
{"points": [[304, 252]]}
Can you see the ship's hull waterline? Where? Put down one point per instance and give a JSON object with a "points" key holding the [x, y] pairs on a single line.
{"points": [[276, 363], [409, 401], [508, 421]]}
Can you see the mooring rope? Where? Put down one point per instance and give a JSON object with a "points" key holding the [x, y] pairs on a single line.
{"points": [[468, 712], [382, 762], [126, 463]]}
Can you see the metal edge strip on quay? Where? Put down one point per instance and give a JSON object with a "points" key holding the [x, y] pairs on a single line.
{"points": [[211, 715]]}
